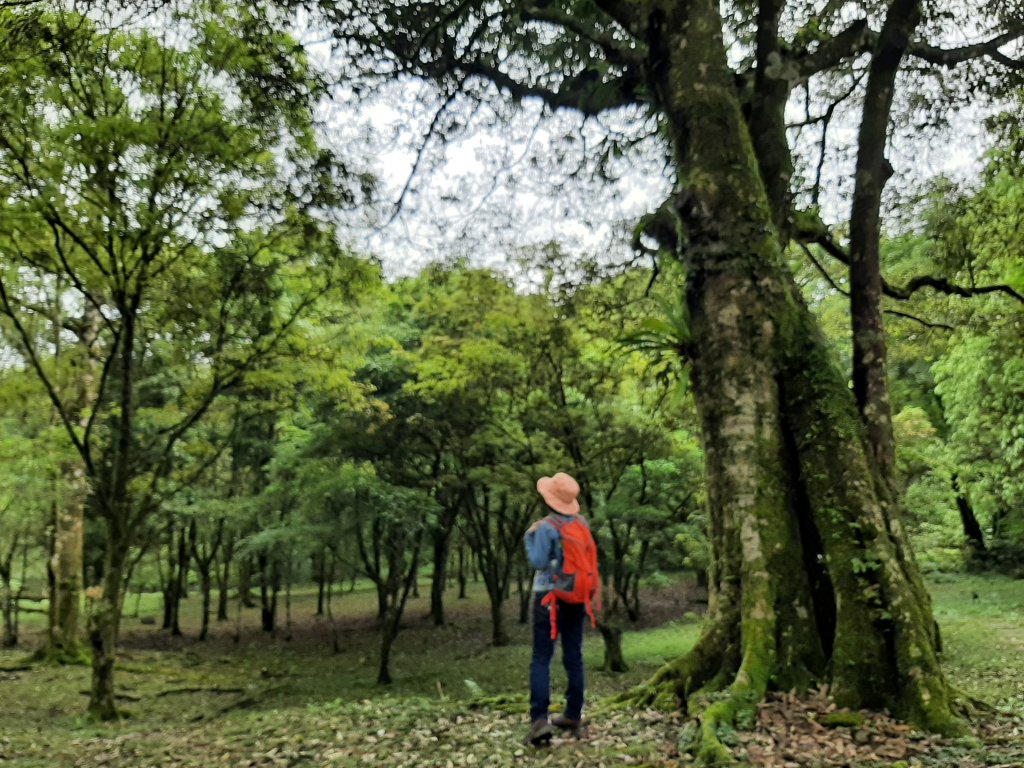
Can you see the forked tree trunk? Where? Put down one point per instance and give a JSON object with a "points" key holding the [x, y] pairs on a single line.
{"points": [[790, 480]]}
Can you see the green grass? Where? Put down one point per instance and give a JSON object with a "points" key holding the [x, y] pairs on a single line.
{"points": [[273, 701], [982, 621]]}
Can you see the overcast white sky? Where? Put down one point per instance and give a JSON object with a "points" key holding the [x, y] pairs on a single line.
{"points": [[502, 184]]}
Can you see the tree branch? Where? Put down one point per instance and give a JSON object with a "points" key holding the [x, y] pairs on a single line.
{"points": [[615, 51], [625, 14], [950, 57], [29, 348], [821, 237], [852, 41], [583, 93], [894, 312]]}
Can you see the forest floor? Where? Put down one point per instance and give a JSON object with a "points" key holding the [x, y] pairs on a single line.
{"points": [[266, 701]]}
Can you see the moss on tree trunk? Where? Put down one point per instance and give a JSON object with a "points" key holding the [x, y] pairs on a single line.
{"points": [[65, 573], [790, 480]]}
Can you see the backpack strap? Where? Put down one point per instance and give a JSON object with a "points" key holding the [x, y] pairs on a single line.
{"points": [[551, 602]]}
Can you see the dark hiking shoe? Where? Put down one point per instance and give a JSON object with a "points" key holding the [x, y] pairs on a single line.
{"points": [[575, 727], [539, 734]]}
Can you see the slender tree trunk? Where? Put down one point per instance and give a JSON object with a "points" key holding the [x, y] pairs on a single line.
{"points": [[498, 635], [320, 569], [224, 580], [462, 572], [387, 640], [396, 595], [442, 546], [972, 528], [8, 600], [523, 586], [169, 587], [245, 582], [65, 570], [206, 586], [65, 566], [870, 385], [335, 644], [611, 633], [180, 578], [767, 117], [103, 626], [288, 600], [270, 585], [382, 601]]}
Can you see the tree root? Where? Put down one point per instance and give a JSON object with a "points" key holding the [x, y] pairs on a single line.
{"points": [[707, 684]]}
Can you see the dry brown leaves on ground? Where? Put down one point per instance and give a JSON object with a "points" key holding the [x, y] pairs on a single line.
{"points": [[808, 732]]}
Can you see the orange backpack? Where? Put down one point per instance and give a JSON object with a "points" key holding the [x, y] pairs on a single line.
{"points": [[578, 581]]}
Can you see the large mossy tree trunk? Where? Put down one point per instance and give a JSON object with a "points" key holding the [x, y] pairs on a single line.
{"points": [[790, 479]]}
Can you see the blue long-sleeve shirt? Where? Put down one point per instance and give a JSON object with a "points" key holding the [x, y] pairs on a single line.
{"points": [[544, 551]]}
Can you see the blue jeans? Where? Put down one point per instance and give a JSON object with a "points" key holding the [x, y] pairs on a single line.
{"points": [[570, 629]]}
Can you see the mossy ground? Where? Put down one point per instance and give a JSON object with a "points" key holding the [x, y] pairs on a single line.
{"points": [[276, 702]]}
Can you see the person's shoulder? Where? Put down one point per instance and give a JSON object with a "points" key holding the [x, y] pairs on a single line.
{"points": [[560, 521]]}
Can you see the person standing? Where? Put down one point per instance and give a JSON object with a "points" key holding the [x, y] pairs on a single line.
{"points": [[561, 550]]}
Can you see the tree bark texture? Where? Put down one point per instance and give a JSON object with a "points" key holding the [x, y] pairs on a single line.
{"points": [[224, 579], [8, 597], [65, 570], [65, 567], [442, 539], [103, 625], [790, 476], [973, 534]]}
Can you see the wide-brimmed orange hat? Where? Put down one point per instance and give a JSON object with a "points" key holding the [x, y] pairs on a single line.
{"points": [[560, 492]]}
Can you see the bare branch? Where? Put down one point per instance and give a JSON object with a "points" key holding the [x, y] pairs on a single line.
{"points": [[942, 285], [894, 312], [950, 57], [584, 93], [421, 152], [919, 320], [820, 236]]}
